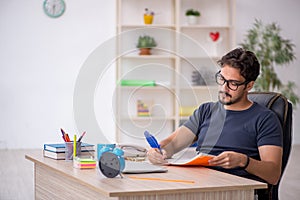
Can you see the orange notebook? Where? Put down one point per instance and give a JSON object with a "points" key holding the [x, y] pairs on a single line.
{"points": [[200, 159]]}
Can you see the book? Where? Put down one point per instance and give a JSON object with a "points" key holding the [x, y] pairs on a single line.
{"points": [[200, 159], [60, 147], [187, 110], [137, 82], [62, 156]]}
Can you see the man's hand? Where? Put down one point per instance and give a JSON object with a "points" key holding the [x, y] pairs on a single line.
{"points": [[229, 159], [268, 168], [156, 157]]}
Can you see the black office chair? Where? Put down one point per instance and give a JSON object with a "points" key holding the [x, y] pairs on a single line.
{"points": [[284, 110]]}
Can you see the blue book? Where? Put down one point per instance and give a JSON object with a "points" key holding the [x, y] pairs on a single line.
{"points": [[60, 147]]}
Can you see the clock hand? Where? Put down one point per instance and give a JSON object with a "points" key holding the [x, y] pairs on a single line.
{"points": [[53, 8]]}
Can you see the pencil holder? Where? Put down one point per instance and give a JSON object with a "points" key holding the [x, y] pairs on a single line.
{"points": [[69, 150]]}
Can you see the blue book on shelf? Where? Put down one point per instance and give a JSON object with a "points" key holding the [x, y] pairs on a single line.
{"points": [[60, 147]]}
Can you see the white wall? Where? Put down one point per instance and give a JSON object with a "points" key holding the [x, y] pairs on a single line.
{"points": [[40, 59]]}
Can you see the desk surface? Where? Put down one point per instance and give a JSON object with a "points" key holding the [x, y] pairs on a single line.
{"points": [[204, 179]]}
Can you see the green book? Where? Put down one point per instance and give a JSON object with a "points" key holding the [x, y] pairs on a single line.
{"points": [[137, 82]]}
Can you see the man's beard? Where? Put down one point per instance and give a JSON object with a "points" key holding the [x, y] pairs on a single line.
{"points": [[223, 95]]}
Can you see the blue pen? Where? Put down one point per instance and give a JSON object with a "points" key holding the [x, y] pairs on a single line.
{"points": [[152, 141]]}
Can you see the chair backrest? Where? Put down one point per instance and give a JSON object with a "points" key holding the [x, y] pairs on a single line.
{"points": [[284, 111]]}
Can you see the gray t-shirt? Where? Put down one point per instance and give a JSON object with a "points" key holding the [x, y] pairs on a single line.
{"points": [[219, 130]]}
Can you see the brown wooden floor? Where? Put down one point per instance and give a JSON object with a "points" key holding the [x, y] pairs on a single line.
{"points": [[17, 180]]}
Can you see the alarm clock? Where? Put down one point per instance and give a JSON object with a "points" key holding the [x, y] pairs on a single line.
{"points": [[111, 162]]}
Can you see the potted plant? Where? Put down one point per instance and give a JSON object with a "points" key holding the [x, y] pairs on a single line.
{"points": [[192, 16], [271, 50], [148, 16], [145, 43]]}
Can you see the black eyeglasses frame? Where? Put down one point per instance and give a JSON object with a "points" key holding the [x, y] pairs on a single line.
{"points": [[237, 85]]}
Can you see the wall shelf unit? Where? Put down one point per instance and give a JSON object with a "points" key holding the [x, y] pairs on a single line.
{"points": [[182, 65]]}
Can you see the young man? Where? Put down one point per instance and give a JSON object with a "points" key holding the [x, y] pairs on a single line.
{"points": [[245, 137]]}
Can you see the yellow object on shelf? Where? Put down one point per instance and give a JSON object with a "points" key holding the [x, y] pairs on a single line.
{"points": [[148, 19], [187, 110]]}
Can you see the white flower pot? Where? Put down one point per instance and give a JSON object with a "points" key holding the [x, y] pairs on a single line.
{"points": [[192, 20]]}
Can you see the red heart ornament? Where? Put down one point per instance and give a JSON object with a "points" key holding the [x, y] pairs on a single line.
{"points": [[214, 36]]}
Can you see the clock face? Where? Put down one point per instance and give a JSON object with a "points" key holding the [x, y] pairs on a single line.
{"points": [[54, 8], [109, 164]]}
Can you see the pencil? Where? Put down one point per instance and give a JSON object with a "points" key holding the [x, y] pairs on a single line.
{"points": [[74, 147], [161, 179], [79, 140]]}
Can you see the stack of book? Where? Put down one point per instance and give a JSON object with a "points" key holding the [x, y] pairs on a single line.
{"points": [[57, 151]]}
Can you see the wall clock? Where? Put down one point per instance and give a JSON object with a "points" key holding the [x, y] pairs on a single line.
{"points": [[54, 8]]}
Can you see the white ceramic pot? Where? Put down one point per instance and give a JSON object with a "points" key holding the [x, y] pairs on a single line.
{"points": [[192, 20]]}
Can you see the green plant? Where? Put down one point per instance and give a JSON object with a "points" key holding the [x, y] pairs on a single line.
{"points": [[146, 41], [271, 50], [192, 12]]}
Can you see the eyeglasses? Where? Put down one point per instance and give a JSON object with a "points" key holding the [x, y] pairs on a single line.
{"points": [[231, 84]]}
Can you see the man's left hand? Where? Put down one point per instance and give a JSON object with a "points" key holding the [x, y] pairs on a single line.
{"points": [[229, 159]]}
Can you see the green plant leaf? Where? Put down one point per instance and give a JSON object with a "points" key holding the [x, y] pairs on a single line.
{"points": [[192, 12], [146, 41], [272, 50]]}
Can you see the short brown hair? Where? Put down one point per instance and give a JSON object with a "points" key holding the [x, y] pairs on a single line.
{"points": [[244, 60]]}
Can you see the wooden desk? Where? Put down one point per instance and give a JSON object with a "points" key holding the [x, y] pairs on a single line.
{"points": [[57, 179]]}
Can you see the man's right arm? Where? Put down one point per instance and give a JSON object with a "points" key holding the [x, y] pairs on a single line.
{"points": [[178, 140]]}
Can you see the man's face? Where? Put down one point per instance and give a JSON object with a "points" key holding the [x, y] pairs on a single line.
{"points": [[233, 89]]}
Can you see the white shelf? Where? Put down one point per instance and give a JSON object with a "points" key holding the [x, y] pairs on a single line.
{"points": [[153, 57], [204, 27], [207, 87], [144, 118], [183, 118], [136, 26], [181, 50], [158, 87]]}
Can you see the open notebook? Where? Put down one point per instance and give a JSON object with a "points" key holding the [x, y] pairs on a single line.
{"points": [[132, 167], [200, 159], [190, 156]]}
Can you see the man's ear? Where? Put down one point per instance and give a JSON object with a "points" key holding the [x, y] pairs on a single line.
{"points": [[250, 86]]}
